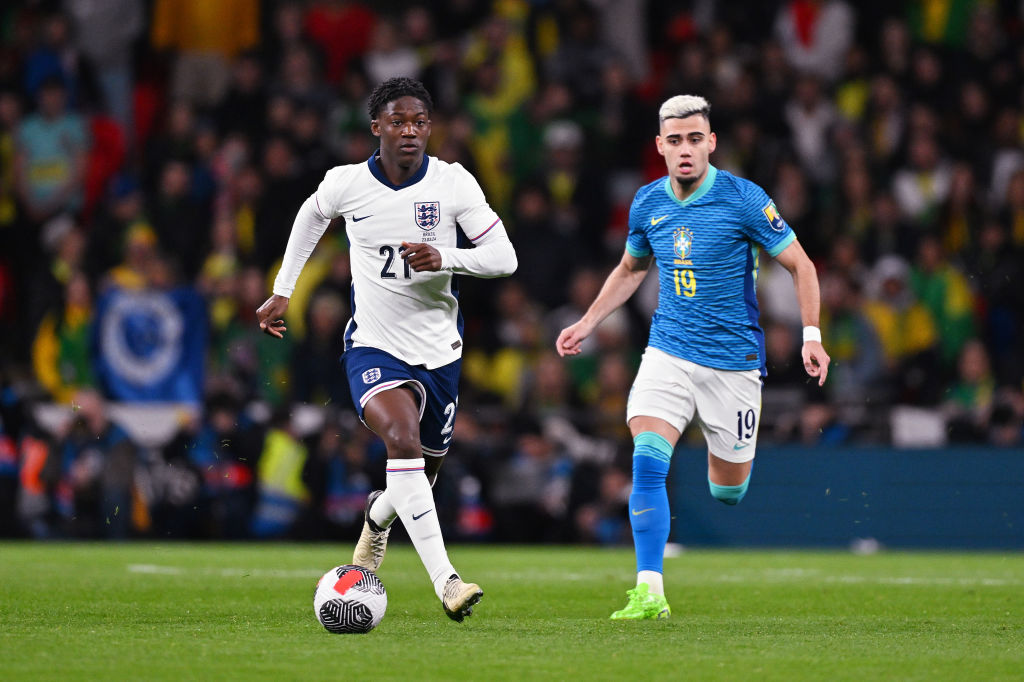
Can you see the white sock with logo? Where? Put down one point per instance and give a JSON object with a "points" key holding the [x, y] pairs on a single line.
{"points": [[413, 499], [383, 512], [655, 581]]}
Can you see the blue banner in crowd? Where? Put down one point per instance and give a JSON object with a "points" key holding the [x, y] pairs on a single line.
{"points": [[149, 345]]}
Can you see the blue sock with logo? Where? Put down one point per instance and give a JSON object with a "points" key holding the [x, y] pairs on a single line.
{"points": [[648, 504]]}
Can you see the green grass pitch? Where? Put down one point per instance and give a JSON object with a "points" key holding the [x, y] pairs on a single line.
{"points": [[170, 611]]}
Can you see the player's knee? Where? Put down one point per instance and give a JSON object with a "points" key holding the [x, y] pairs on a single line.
{"points": [[651, 456], [402, 442], [729, 494]]}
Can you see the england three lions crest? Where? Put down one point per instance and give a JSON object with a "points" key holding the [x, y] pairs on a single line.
{"points": [[428, 214]]}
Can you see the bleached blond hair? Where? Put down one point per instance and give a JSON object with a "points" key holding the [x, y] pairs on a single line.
{"points": [[682, 106]]}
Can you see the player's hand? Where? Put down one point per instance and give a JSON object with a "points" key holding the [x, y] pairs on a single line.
{"points": [[421, 257], [270, 315], [569, 340], [816, 360]]}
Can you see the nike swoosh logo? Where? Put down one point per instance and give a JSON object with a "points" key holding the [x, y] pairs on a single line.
{"points": [[642, 511], [356, 220], [740, 446], [445, 441], [417, 518], [655, 221]]}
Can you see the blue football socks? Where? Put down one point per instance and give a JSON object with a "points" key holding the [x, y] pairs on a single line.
{"points": [[648, 504]]}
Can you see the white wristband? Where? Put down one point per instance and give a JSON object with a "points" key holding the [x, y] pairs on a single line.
{"points": [[812, 334]]}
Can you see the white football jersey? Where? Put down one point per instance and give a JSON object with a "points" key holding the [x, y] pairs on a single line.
{"points": [[411, 315]]}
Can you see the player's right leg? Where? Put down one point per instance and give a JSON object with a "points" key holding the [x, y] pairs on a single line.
{"points": [[392, 399], [729, 413]]}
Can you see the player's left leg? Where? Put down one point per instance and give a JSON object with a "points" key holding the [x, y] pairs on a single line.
{"points": [[378, 516], [413, 411], [729, 411], [728, 481]]}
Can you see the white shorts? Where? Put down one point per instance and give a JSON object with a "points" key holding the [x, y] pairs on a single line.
{"points": [[727, 403]]}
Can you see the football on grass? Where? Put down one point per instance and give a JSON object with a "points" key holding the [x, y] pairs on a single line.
{"points": [[350, 599]]}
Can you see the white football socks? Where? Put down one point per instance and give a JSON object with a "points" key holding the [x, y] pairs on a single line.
{"points": [[413, 500], [383, 512], [655, 582]]}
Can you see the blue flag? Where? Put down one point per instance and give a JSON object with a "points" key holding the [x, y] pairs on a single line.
{"points": [[149, 345]]}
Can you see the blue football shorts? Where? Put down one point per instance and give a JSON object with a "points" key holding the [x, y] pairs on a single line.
{"points": [[371, 371]]}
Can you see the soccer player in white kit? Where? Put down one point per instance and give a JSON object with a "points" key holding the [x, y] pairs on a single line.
{"points": [[408, 218]]}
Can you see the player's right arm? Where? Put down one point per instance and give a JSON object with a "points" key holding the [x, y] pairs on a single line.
{"points": [[621, 283], [311, 221]]}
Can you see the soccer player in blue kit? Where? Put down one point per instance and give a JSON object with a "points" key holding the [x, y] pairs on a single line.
{"points": [[704, 227]]}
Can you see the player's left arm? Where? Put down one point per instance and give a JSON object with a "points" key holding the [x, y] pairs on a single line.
{"points": [[805, 279], [493, 255]]}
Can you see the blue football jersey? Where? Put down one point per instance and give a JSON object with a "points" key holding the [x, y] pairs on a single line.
{"points": [[706, 249]]}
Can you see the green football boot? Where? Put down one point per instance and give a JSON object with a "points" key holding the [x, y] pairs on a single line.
{"points": [[643, 605]]}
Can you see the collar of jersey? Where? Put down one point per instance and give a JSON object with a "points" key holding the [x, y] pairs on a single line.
{"points": [[709, 180], [378, 172]]}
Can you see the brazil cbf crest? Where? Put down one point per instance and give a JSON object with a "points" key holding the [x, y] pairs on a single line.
{"points": [[428, 214], [682, 241]]}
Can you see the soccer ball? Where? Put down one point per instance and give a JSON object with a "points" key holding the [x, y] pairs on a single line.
{"points": [[350, 599]]}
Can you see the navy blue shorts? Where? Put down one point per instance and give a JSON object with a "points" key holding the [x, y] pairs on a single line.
{"points": [[371, 371]]}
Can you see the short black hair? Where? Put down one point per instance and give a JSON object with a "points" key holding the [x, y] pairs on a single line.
{"points": [[394, 88]]}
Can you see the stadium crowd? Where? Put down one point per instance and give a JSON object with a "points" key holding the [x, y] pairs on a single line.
{"points": [[163, 147]]}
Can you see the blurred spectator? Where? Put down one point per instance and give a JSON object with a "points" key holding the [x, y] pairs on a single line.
{"points": [[998, 269], [106, 32], [519, 336], [389, 55], [298, 79], [123, 210], [244, 359], [961, 215], [811, 118], [923, 185], [51, 145], [197, 32], [338, 476], [1013, 212], [531, 489], [179, 218], [10, 117], [342, 30], [283, 193], [54, 58], [141, 258], [317, 373], [945, 292], [61, 353], [246, 99], [281, 493], [968, 402], [207, 483], [886, 122], [907, 331], [604, 520], [815, 35], [1008, 155], [96, 496], [858, 364]]}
